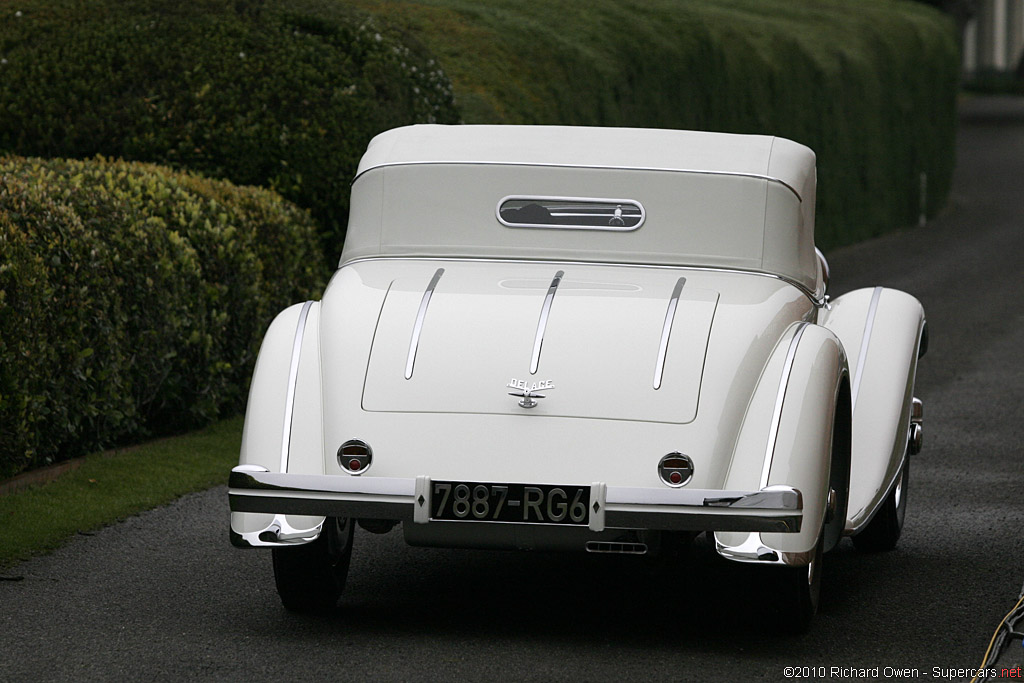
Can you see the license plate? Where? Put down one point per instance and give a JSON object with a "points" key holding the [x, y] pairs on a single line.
{"points": [[521, 503]]}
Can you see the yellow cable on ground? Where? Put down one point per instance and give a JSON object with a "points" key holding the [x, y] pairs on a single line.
{"points": [[984, 660]]}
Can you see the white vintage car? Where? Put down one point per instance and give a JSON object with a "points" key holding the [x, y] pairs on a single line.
{"points": [[587, 339]]}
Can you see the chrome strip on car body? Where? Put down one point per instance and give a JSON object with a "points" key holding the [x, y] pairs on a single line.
{"points": [[864, 343], [293, 377], [814, 298], [417, 328], [542, 322], [695, 171], [666, 331], [773, 431]]}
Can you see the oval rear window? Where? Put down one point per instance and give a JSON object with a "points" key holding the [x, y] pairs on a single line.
{"points": [[570, 213]]}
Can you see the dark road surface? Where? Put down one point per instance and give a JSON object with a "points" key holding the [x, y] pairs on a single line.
{"points": [[163, 596]]}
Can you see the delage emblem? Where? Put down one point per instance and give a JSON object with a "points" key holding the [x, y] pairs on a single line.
{"points": [[528, 390]]}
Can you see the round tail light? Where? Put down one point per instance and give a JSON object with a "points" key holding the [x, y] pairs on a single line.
{"points": [[675, 469], [355, 456]]}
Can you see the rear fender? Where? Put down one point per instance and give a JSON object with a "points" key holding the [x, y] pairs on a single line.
{"points": [[881, 330], [283, 429], [786, 438]]}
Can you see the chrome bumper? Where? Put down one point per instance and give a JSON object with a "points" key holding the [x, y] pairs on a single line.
{"points": [[775, 508]]}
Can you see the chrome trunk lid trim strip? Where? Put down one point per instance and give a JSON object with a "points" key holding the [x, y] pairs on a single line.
{"points": [[417, 328], [666, 331], [542, 322]]}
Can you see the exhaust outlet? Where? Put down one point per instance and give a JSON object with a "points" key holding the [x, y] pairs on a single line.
{"points": [[616, 547]]}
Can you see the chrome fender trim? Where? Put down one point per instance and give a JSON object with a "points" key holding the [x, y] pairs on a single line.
{"points": [[293, 377], [780, 397], [869, 323]]}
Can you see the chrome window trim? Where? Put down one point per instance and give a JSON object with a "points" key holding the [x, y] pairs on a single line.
{"points": [[557, 226], [293, 378], [780, 399], [666, 331], [697, 171], [417, 327], [542, 322], [814, 299], [869, 323]]}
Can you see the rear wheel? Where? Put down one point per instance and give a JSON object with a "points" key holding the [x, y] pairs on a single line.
{"points": [[311, 577], [796, 593], [838, 495], [883, 531]]}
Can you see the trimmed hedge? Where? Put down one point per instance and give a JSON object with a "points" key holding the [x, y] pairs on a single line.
{"points": [[283, 94], [133, 300], [870, 86], [287, 94]]}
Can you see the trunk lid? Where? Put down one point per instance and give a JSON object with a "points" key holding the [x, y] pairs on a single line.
{"points": [[600, 350]]}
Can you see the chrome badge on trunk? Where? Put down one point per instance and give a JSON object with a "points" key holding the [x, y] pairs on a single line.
{"points": [[528, 390]]}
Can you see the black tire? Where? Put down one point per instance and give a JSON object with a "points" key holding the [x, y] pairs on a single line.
{"points": [[795, 593], [883, 531], [839, 477], [311, 577]]}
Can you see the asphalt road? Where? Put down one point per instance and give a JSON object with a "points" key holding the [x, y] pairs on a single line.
{"points": [[163, 596]]}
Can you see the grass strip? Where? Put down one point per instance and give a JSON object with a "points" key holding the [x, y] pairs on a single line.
{"points": [[112, 485]]}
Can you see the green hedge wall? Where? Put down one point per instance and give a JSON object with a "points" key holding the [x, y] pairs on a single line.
{"points": [[133, 300], [283, 94], [286, 94], [869, 85]]}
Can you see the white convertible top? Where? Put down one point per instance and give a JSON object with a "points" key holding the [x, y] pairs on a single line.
{"points": [[762, 156], [703, 199]]}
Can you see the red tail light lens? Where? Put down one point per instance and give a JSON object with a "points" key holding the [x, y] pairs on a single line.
{"points": [[675, 469], [355, 456]]}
